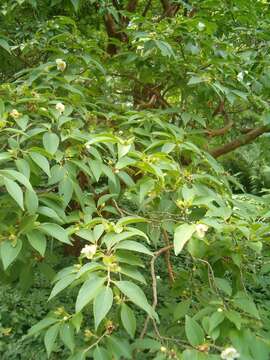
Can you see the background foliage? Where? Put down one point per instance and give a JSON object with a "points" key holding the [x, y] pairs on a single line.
{"points": [[130, 197]]}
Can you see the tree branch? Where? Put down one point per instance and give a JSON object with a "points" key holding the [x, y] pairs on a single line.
{"points": [[169, 9], [132, 4], [241, 141]]}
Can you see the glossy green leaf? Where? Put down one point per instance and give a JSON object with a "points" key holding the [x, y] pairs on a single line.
{"points": [[43, 324], [56, 231], [31, 201], [14, 191], [136, 295], [38, 241], [182, 234], [62, 284], [50, 142], [41, 162], [10, 252], [67, 336], [89, 291], [102, 305], [194, 332], [133, 246], [50, 338], [128, 319]]}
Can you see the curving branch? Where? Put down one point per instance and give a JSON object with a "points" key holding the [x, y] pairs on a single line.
{"points": [[241, 141]]}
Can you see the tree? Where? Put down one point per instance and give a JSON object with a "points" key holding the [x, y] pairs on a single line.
{"points": [[113, 116]]}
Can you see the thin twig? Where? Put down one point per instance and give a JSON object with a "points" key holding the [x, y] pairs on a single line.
{"points": [[167, 257], [154, 285], [95, 343]]}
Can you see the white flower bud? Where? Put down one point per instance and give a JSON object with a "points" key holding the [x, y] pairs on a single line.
{"points": [[15, 114], [60, 107], [89, 251], [201, 230], [201, 26], [240, 76], [61, 64], [230, 354]]}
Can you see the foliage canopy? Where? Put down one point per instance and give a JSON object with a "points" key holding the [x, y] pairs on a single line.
{"points": [[114, 116]]}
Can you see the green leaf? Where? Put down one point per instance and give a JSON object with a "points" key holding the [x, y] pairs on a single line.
{"points": [[9, 252], [102, 305], [66, 189], [119, 347], [96, 168], [56, 231], [234, 317], [41, 162], [137, 296], [215, 319], [123, 150], [101, 354], [50, 338], [194, 332], [133, 246], [132, 272], [195, 80], [76, 321], [76, 4], [67, 336], [14, 191], [16, 175], [23, 167], [4, 44], [224, 285], [88, 292], [182, 234], [31, 201], [37, 240], [181, 309], [247, 305], [62, 284], [41, 325], [130, 220], [128, 319], [50, 142]]}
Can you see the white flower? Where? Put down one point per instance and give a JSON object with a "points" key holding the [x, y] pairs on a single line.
{"points": [[89, 251], [240, 76], [230, 354], [60, 107], [15, 114], [201, 26], [61, 64], [201, 230]]}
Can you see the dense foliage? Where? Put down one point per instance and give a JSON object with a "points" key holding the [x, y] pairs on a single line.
{"points": [[116, 204]]}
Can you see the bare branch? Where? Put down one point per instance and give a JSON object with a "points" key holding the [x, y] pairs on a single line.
{"points": [[154, 284], [167, 257]]}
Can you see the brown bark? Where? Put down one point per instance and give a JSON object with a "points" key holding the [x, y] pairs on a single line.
{"points": [[241, 141], [116, 31], [169, 9], [132, 4]]}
